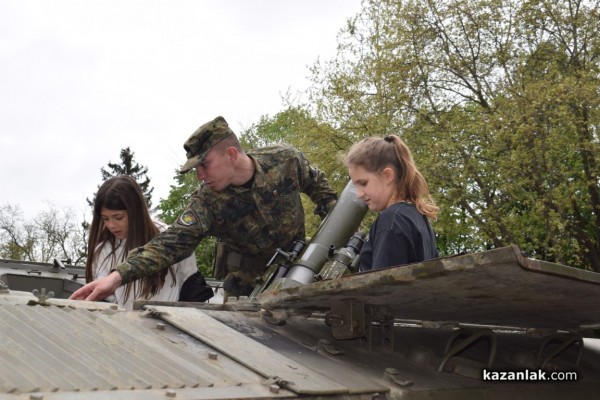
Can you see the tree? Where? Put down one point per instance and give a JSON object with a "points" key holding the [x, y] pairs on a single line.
{"points": [[51, 234], [129, 166], [498, 101], [17, 239]]}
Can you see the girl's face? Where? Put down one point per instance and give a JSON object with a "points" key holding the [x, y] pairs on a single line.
{"points": [[377, 190], [116, 222]]}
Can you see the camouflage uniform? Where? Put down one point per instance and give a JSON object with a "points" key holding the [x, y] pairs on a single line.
{"points": [[251, 221]]}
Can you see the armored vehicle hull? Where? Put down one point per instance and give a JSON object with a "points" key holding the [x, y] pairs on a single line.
{"points": [[490, 325]]}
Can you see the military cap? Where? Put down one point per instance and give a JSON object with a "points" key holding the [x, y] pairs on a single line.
{"points": [[202, 140]]}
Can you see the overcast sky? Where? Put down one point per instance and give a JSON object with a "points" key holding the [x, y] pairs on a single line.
{"points": [[82, 79]]}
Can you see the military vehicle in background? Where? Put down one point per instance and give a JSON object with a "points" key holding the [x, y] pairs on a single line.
{"points": [[488, 325]]}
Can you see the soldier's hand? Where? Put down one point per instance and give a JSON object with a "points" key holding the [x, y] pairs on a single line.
{"points": [[325, 207], [99, 289]]}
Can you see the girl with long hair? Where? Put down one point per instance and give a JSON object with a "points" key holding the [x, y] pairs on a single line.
{"points": [[388, 180], [121, 223]]}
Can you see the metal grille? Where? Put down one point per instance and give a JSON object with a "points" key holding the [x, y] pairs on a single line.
{"points": [[50, 349]]}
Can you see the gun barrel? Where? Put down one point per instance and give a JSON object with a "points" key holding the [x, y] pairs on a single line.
{"points": [[333, 232]]}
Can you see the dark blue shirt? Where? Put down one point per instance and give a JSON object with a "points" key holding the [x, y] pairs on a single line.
{"points": [[400, 235]]}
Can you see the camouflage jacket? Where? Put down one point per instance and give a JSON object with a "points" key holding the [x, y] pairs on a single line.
{"points": [[253, 221]]}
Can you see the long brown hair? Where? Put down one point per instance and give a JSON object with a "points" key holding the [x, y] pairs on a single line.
{"points": [[123, 193], [375, 153]]}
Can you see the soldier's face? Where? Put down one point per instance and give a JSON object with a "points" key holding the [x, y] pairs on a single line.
{"points": [[116, 221], [216, 171], [377, 190]]}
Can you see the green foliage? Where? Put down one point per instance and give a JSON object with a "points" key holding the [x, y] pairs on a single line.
{"points": [[498, 101], [179, 196]]}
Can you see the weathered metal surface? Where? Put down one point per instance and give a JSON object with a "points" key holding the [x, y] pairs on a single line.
{"points": [[496, 287], [50, 349], [55, 349], [259, 358], [61, 352]]}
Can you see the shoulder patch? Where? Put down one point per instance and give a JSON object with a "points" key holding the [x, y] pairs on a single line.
{"points": [[188, 218]]}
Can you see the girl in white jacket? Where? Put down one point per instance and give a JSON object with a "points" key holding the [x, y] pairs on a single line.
{"points": [[121, 222]]}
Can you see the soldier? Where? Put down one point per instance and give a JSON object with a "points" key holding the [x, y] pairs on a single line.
{"points": [[249, 201]]}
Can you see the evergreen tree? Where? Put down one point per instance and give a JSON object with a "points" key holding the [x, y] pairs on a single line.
{"points": [[128, 166]]}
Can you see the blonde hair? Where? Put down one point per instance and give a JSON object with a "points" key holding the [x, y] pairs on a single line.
{"points": [[375, 153]]}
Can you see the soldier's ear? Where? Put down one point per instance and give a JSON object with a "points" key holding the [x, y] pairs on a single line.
{"points": [[232, 153]]}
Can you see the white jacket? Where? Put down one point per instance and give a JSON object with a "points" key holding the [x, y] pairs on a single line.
{"points": [[105, 262]]}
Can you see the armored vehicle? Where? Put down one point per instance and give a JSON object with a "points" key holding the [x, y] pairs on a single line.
{"points": [[487, 325]]}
